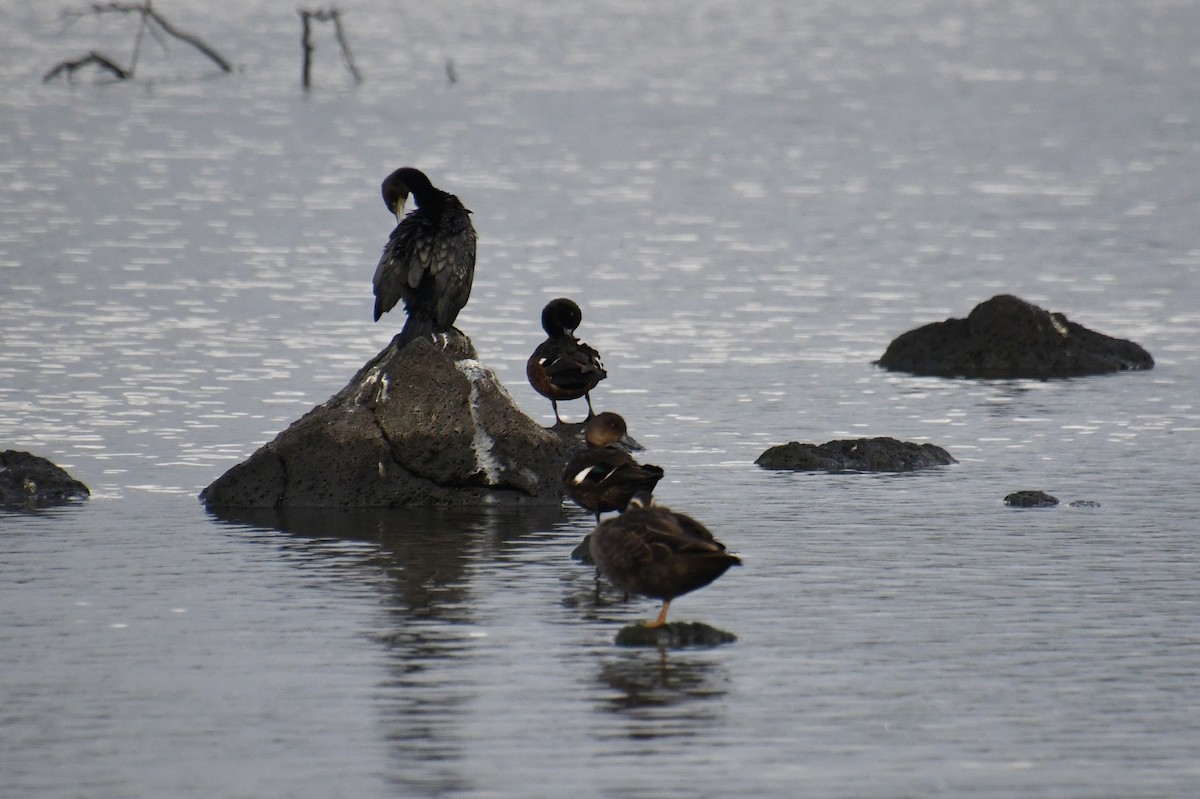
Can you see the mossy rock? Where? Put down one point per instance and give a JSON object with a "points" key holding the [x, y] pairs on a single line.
{"points": [[674, 635]]}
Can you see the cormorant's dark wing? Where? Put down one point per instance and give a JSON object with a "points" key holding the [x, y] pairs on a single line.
{"points": [[421, 247], [452, 263], [400, 268]]}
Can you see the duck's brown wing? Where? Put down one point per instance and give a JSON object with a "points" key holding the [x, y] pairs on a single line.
{"points": [[697, 531], [650, 552], [596, 465], [669, 534], [569, 364]]}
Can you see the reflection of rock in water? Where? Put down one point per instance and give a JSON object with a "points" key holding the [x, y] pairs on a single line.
{"points": [[648, 680], [430, 557], [427, 552]]}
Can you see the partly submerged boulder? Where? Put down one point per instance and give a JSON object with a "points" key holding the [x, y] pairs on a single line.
{"points": [[29, 481], [1006, 337], [1030, 499], [1040, 499], [882, 454], [420, 424]]}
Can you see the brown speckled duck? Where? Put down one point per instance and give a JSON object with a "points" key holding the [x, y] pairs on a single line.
{"points": [[652, 551], [604, 477], [563, 367]]}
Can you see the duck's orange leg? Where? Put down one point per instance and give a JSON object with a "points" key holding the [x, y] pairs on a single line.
{"points": [[662, 617]]}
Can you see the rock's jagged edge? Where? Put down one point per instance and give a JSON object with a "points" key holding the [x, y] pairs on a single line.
{"points": [[422, 424]]}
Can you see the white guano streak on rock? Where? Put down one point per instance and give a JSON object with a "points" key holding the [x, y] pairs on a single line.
{"points": [[482, 443], [376, 375]]}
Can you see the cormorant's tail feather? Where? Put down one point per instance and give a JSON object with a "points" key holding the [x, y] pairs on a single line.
{"points": [[416, 327]]}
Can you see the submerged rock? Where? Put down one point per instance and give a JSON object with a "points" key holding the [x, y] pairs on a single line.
{"points": [[880, 454], [29, 481], [420, 424], [674, 635], [1030, 499], [1040, 499], [583, 551], [1006, 337]]}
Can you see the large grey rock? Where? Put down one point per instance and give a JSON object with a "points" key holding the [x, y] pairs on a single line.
{"points": [[422, 424], [882, 454], [1006, 337], [28, 481]]}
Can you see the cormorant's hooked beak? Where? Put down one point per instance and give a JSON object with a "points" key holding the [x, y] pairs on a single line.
{"points": [[399, 209]]}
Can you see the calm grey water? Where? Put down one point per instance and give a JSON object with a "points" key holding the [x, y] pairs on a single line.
{"points": [[749, 201]]}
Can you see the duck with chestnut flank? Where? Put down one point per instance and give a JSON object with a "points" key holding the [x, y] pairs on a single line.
{"points": [[604, 477], [563, 367], [652, 551], [429, 260]]}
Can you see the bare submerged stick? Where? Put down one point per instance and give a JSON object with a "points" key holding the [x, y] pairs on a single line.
{"points": [[148, 14], [324, 15], [93, 57]]}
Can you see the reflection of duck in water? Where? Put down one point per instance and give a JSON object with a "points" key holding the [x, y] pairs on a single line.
{"points": [[604, 476], [563, 367], [429, 260], [652, 551]]}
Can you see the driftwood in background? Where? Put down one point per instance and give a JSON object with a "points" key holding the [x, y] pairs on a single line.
{"points": [[307, 16], [150, 21], [93, 57]]}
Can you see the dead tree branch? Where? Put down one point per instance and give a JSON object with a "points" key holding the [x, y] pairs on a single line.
{"points": [[148, 15], [307, 16], [93, 57]]}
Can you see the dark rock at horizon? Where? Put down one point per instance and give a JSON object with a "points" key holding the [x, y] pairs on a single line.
{"points": [[881, 454], [1030, 499], [1007, 337]]}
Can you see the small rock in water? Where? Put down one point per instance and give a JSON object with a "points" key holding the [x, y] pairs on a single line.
{"points": [[583, 551], [1030, 499], [674, 635], [1084, 503]]}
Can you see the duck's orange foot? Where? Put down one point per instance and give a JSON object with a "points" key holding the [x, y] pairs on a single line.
{"points": [[662, 617]]}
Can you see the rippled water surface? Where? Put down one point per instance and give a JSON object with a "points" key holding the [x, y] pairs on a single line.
{"points": [[749, 201]]}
